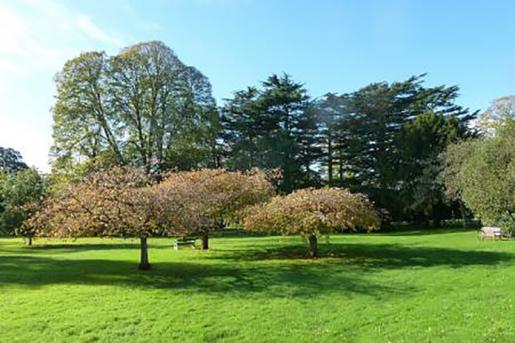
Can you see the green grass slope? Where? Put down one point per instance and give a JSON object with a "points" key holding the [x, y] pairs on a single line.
{"points": [[399, 287]]}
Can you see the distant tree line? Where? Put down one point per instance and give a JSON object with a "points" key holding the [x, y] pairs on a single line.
{"points": [[145, 108], [383, 140]]}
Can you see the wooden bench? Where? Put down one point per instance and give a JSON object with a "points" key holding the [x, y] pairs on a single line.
{"points": [[181, 241], [489, 232]]}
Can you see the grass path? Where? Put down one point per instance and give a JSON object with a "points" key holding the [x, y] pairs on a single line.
{"points": [[404, 287]]}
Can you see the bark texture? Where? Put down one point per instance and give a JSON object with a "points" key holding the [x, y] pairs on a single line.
{"points": [[144, 264]]}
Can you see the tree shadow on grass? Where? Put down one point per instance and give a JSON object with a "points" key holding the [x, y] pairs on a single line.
{"points": [[277, 271], [376, 256], [65, 247], [285, 280], [40, 247], [423, 231]]}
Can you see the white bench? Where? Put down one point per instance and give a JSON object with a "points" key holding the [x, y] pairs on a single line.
{"points": [[489, 232], [184, 241]]}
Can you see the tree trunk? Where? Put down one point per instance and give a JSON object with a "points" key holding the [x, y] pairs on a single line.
{"points": [[340, 170], [29, 241], [313, 246], [144, 264], [436, 215], [466, 221], [205, 240], [330, 160]]}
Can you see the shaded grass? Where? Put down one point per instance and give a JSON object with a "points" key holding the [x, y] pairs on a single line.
{"points": [[368, 288]]}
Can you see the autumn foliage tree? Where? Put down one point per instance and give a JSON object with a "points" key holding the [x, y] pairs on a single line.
{"points": [[121, 202], [218, 196], [312, 212], [127, 202]]}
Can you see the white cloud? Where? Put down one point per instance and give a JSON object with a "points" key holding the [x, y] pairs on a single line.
{"points": [[93, 31], [43, 34], [12, 31], [32, 140], [36, 38]]}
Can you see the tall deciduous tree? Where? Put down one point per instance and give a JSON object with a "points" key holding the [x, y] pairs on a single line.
{"points": [[313, 212], [482, 173], [142, 107], [500, 110]]}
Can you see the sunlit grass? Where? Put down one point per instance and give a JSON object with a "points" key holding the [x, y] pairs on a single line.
{"points": [[405, 287]]}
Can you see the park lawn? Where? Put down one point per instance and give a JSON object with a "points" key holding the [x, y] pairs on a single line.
{"points": [[444, 286]]}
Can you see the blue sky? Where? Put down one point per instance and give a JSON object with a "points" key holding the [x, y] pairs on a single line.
{"points": [[329, 45]]}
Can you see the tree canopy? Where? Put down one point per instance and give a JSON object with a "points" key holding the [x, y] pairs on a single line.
{"points": [[142, 107], [11, 160], [272, 127], [127, 202], [17, 191], [311, 212], [219, 196], [120, 202], [19, 185], [481, 172], [383, 139]]}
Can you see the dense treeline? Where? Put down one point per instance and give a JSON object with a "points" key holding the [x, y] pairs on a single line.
{"points": [[383, 140], [146, 108]]}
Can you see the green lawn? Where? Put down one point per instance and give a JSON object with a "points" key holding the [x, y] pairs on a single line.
{"points": [[400, 287]]}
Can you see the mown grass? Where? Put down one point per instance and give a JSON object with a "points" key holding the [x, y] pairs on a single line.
{"points": [[416, 286]]}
